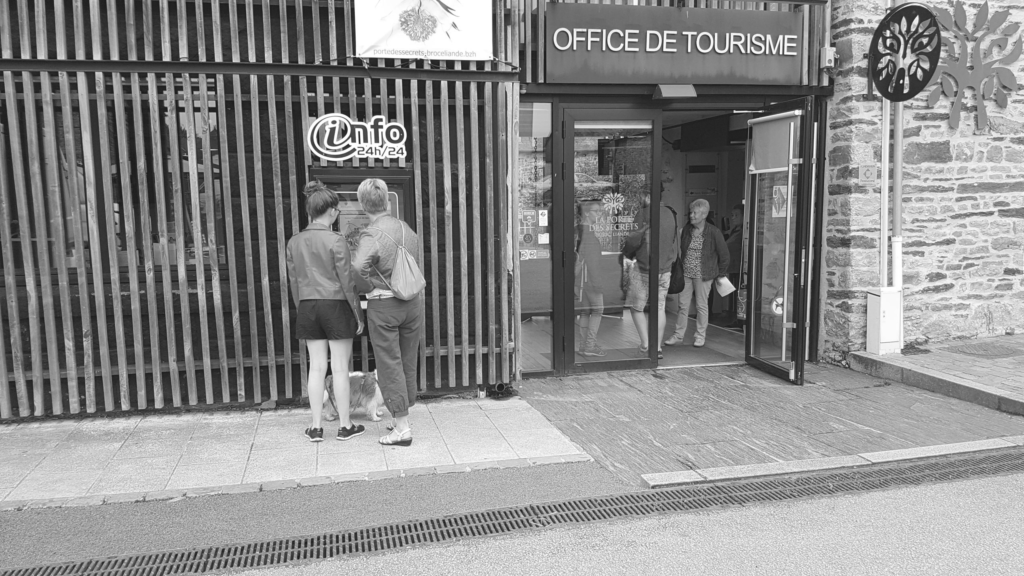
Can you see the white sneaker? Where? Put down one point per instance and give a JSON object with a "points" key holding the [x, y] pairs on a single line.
{"points": [[673, 340], [697, 343]]}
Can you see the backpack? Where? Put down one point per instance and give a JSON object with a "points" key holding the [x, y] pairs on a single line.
{"points": [[406, 279]]}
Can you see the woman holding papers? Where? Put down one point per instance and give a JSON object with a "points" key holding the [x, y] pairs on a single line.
{"points": [[706, 258]]}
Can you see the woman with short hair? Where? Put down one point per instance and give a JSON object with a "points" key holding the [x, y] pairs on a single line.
{"points": [[705, 258], [329, 316], [394, 323]]}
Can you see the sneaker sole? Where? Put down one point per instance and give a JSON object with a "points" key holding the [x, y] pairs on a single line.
{"points": [[312, 439]]}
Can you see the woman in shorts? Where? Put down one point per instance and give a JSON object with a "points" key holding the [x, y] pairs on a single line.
{"points": [[329, 316]]}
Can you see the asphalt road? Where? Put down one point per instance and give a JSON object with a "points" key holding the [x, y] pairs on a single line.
{"points": [[965, 527], [43, 536]]}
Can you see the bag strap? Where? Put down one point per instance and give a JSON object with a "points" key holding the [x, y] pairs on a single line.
{"points": [[401, 246], [388, 284]]}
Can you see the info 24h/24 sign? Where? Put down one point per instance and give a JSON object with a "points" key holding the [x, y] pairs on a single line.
{"points": [[336, 138]]}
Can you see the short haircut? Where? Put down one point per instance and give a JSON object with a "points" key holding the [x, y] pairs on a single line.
{"points": [[700, 204], [738, 207], [373, 196], [319, 199]]}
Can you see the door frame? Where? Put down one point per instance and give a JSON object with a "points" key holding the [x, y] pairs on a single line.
{"points": [[805, 208], [562, 206]]}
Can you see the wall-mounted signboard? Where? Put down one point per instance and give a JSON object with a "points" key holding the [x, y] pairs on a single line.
{"points": [[336, 138], [605, 44], [430, 29]]}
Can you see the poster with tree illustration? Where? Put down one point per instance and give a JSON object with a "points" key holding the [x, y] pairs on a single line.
{"points": [[430, 29]]}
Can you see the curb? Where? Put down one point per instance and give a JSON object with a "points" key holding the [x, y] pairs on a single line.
{"points": [[898, 370], [175, 495], [690, 477]]}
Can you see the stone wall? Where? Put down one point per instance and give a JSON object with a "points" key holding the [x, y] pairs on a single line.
{"points": [[963, 204]]}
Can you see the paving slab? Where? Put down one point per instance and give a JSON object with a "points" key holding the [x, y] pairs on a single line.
{"points": [[138, 457], [723, 417], [197, 476], [941, 450], [353, 462]]}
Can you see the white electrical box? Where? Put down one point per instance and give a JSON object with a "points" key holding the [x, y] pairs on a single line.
{"points": [[885, 320]]}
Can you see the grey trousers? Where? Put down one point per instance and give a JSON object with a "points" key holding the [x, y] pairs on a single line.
{"points": [[395, 333], [699, 289]]}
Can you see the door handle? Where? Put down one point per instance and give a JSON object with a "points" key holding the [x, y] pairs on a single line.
{"points": [[803, 264]]}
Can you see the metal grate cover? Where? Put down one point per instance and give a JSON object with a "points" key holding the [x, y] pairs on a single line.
{"points": [[503, 521]]}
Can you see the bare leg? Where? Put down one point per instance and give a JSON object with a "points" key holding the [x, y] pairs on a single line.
{"points": [[661, 326], [640, 321], [402, 424], [317, 372], [341, 351]]}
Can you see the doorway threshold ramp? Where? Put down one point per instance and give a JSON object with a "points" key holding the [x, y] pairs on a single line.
{"points": [[396, 536], [704, 365]]}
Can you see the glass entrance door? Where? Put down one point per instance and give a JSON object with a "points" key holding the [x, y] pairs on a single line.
{"points": [[779, 198], [607, 187]]}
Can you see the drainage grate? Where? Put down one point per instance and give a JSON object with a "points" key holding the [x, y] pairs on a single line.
{"points": [[503, 521]]}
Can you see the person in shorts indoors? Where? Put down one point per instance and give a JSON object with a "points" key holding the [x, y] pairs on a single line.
{"points": [[323, 288], [394, 323], [705, 258], [589, 298], [638, 247]]}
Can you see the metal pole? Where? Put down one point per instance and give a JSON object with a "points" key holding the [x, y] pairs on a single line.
{"points": [[883, 222], [883, 212], [897, 199], [897, 208]]}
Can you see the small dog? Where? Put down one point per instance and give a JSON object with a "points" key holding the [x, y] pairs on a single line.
{"points": [[363, 393]]}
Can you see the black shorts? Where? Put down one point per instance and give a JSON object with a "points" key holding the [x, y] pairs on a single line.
{"points": [[325, 320]]}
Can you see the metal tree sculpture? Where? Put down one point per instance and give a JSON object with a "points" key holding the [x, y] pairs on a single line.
{"points": [[965, 66]]}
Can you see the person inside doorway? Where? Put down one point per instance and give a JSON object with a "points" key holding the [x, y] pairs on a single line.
{"points": [[638, 247], [589, 297], [734, 240], [706, 258]]}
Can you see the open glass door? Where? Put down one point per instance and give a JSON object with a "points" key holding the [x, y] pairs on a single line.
{"points": [[779, 198], [607, 182]]}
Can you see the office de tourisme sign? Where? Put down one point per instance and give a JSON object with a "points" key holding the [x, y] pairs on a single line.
{"points": [[604, 44]]}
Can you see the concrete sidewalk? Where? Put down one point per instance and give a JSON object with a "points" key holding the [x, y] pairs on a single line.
{"points": [[160, 457], [648, 428], [988, 372]]}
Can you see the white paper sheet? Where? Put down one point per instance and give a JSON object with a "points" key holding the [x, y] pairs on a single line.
{"points": [[724, 286]]}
